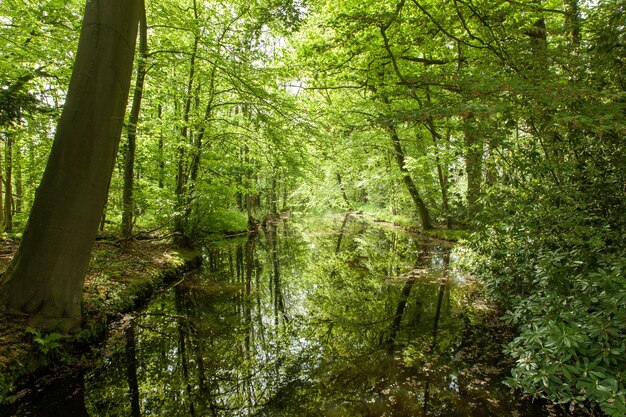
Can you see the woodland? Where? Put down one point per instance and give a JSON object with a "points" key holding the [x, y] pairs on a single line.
{"points": [[501, 119]]}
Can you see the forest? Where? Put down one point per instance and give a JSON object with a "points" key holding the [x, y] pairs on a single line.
{"points": [[498, 124]]}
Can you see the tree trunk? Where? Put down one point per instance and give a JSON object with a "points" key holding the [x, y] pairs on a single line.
{"points": [[131, 370], [30, 176], [128, 206], [539, 46], [473, 165], [182, 169], [45, 278], [160, 145], [248, 183], [8, 186], [274, 196], [422, 210], [285, 195], [343, 191], [198, 143], [442, 172], [1, 193], [408, 181], [19, 183], [572, 24], [182, 175]]}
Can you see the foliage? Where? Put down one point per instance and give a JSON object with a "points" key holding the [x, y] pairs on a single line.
{"points": [[449, 234], [559, 270], [48, 343], [507, 117], [223, 222]]}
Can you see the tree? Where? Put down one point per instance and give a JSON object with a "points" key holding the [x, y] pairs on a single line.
{"points": [[45, 277], [128, 206]]}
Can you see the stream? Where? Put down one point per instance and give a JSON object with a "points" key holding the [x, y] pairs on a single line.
{"points": [[314, 317]]}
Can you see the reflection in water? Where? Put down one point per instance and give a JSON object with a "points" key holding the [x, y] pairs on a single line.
{"points": [[58, 395], [131, 370], [365, 321]]}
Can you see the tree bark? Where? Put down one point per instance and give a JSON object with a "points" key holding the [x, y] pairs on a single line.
{"points": [[128, 206], [8, 184], [45, 278]]}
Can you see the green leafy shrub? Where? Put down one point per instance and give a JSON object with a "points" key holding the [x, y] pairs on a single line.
{"points": [[224, 221], [553, 256], [47, 343]]}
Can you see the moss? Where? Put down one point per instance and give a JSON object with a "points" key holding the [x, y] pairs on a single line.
{"points": [[118, 281]]}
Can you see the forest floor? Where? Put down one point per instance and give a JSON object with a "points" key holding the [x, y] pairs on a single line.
{"points": [[118, 280]]}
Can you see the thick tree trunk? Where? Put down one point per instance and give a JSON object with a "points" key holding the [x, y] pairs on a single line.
{"points": [[128, 206], [45, 278]]}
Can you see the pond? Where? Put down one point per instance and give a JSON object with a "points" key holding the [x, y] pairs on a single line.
{"points": [[335, 317]]}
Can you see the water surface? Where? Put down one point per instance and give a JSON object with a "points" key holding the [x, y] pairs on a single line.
{"points": [[340, 317]]}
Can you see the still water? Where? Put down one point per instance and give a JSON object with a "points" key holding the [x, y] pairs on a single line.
{"points": [[340, 317]]}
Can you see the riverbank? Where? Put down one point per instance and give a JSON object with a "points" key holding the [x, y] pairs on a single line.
{"points": [[119, 279]]}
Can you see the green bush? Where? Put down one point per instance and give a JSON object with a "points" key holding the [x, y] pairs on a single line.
{"points": [[224, 221], [554, 257]]}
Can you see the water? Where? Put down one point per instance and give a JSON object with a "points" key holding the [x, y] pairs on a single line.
{"points": [[340, 317]]}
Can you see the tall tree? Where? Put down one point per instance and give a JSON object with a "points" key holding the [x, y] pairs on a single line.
{"points": [[129, 158], [45, 278], [8, 183]]}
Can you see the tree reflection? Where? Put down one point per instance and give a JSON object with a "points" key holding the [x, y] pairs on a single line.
{"points": [[131, 370], [64, 395], [423, 254], [361, 322]]}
